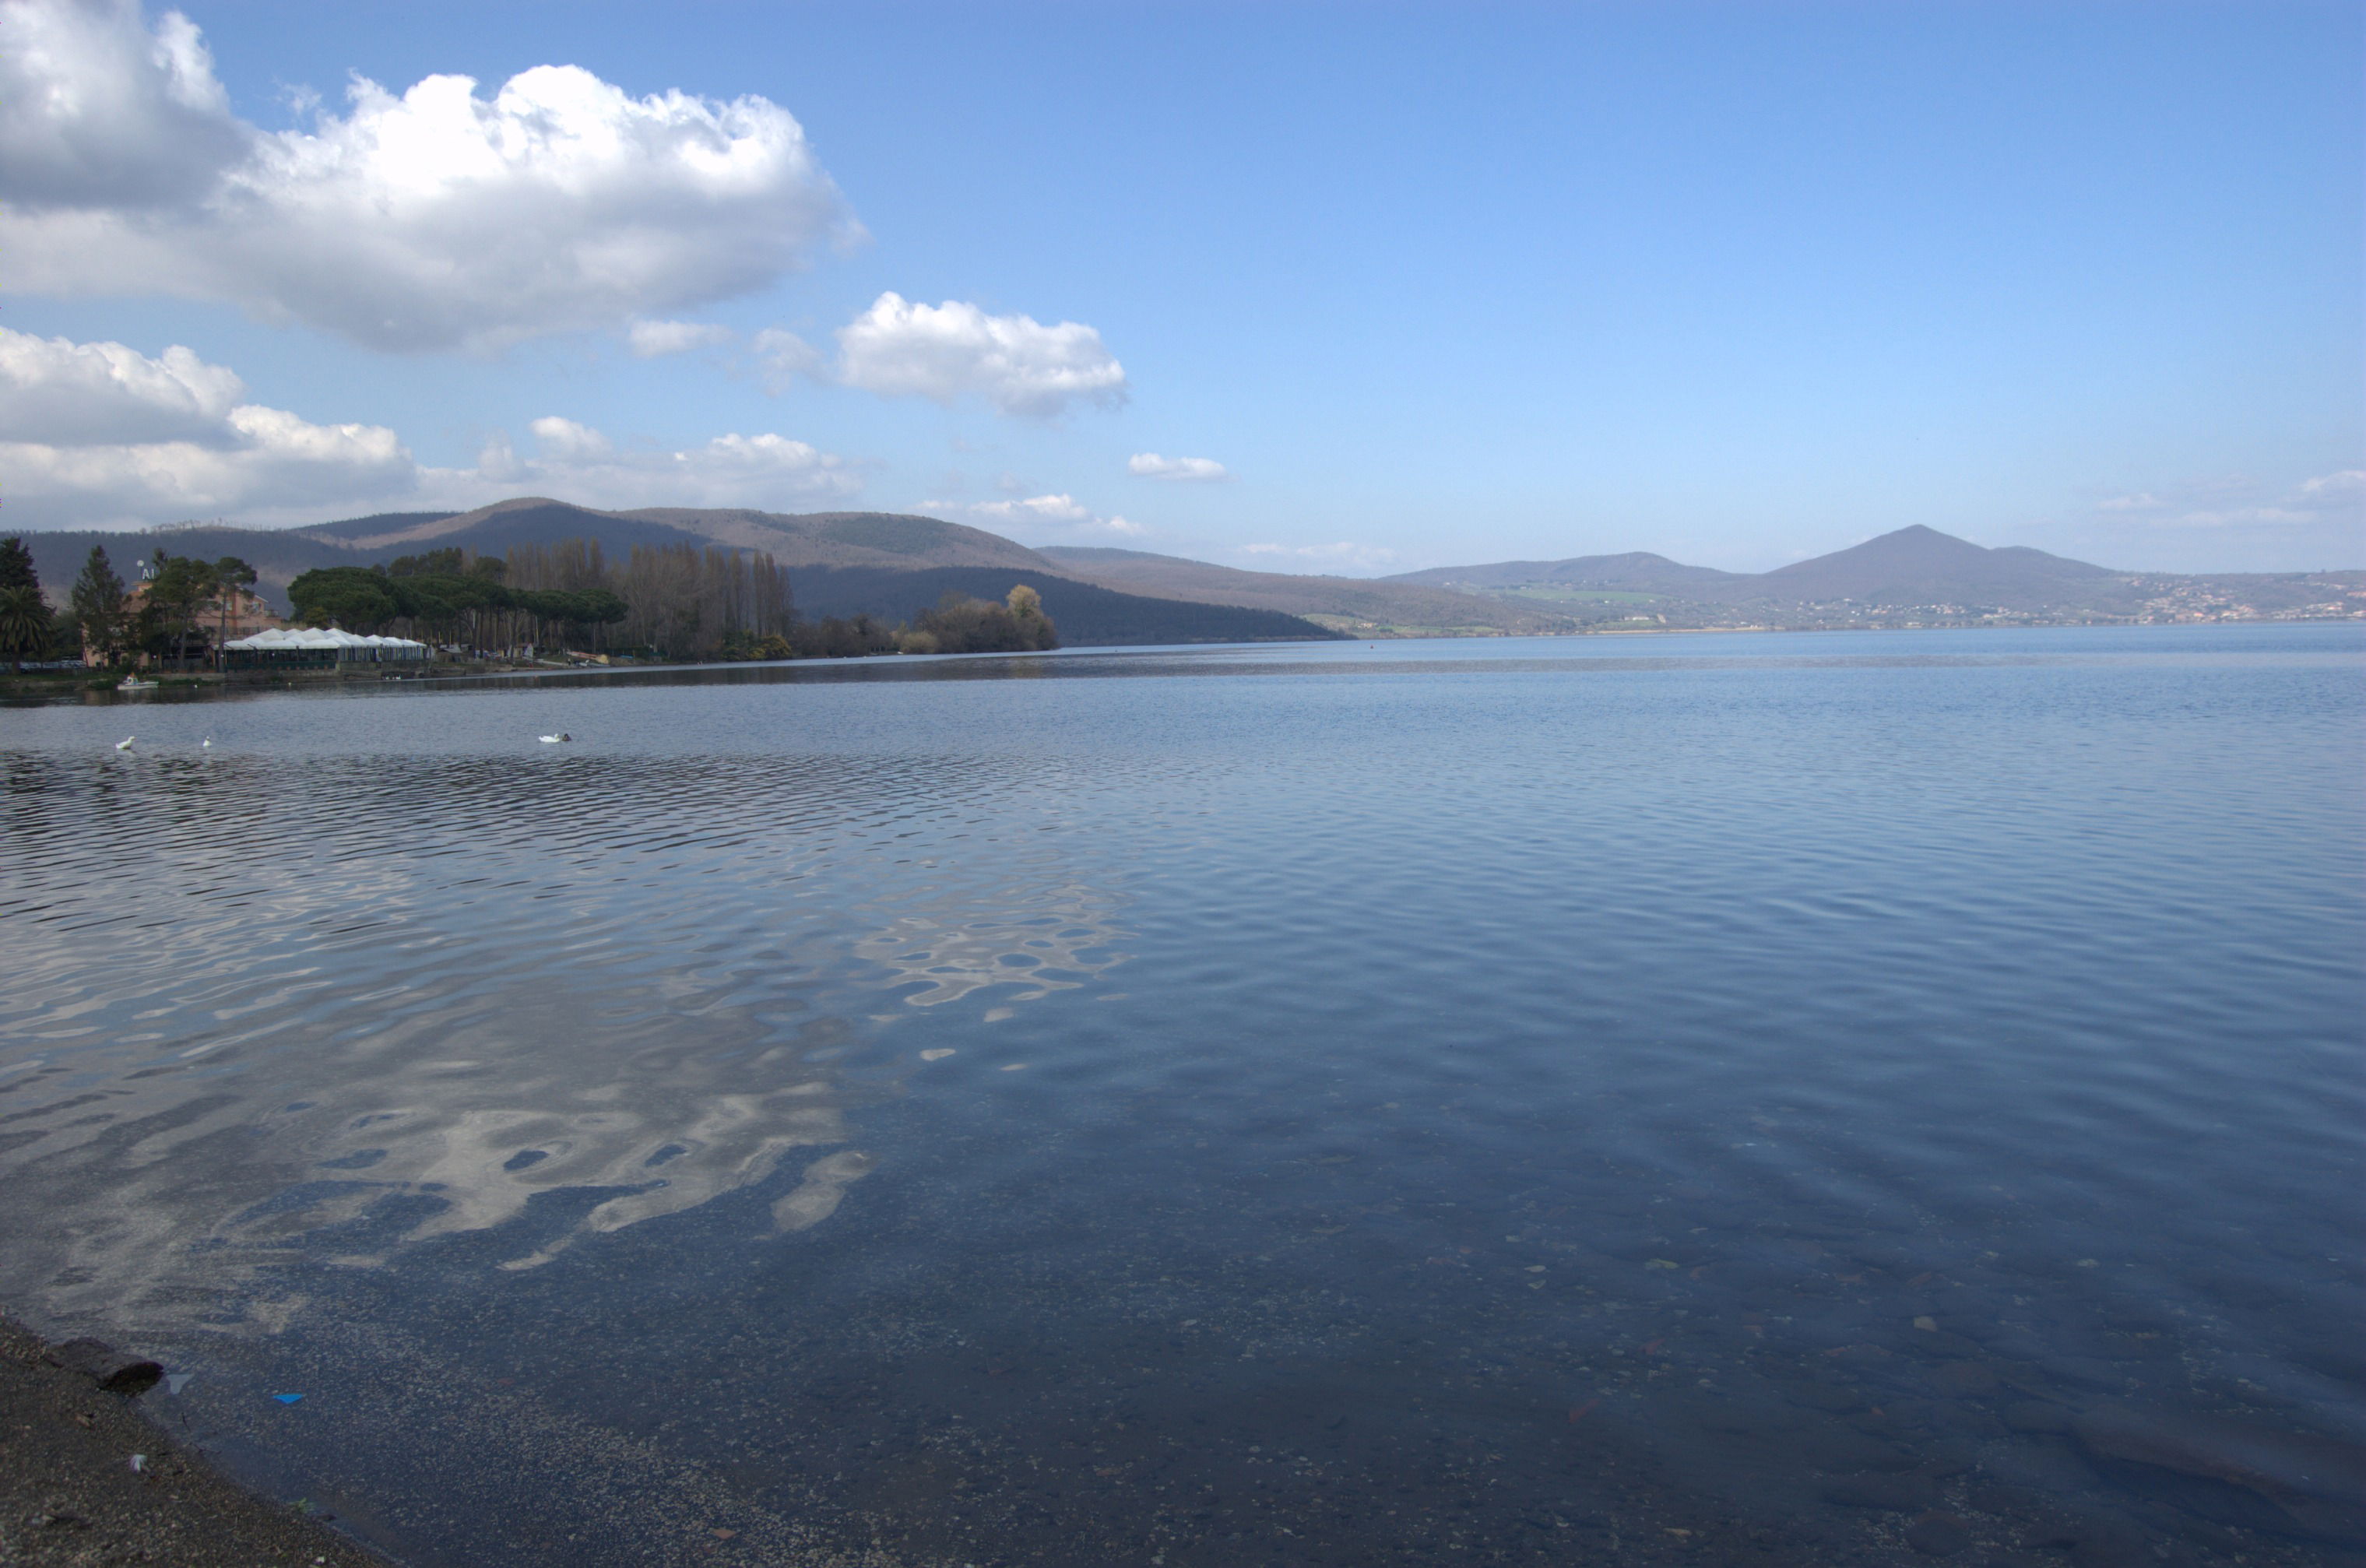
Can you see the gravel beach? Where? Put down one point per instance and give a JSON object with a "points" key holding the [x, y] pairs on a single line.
{"points": [[69, 1493]]}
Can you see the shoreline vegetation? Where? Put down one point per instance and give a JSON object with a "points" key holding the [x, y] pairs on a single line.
{"points": [[537, 607]]}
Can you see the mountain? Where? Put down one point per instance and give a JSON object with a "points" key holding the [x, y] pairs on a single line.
{"points": [[1911, 576], [278, 557], [878, 539], [1355, 605], [1922, 566], [1637, 571], [820, 538]]}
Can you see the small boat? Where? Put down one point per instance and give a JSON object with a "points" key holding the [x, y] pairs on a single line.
{"points": [[556, 740], [134, 683]]}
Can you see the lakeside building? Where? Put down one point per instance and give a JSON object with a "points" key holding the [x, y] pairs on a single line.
{"points": [[239, 612]]}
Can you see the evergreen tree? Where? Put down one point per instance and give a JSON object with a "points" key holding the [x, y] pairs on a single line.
{"points": [[96, 603], [232, 576], [16, 565], [178, 589], [24, 614]]}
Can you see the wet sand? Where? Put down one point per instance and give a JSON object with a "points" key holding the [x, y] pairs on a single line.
{"points": [[68, 1493]]}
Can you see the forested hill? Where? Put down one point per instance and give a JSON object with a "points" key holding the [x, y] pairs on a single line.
{"points": [[888, 539], [1351, 605], [1087, 615], [879, 564]]}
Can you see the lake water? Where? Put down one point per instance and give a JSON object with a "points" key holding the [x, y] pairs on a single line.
{"points": [[1692, 1099]]}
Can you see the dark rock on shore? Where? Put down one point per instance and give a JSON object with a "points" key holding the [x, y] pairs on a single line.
{"points": [[69, 1493], [107, 1367]]}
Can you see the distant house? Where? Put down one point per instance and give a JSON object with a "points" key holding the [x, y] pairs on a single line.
{"points": [[242, 615]]}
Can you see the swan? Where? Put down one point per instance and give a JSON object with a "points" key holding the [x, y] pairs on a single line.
{"points": [[125, 744]]}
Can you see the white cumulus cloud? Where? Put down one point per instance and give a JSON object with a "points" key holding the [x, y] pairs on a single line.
{"points": [[99, 435], [655, 340], [56, 391], [576, 463], [1021, 366], [436, 218], [1151, 465]]}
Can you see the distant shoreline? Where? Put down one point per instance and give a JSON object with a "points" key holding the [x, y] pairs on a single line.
{"points": [[99, 684]]}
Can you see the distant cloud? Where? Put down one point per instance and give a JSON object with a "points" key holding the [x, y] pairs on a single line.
{"points": [[582, 464], [1151, 465], [898, 348], [654, 339], [1062, 512], [1344, 555], [99, 434], [437, 218], [784, 357], [2236, 502]]}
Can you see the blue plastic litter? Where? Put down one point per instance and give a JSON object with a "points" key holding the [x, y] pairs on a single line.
{"points": [[286, 1398]]}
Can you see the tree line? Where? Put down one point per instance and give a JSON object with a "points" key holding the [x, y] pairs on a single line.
{"points": [[679, 603], [454, 598], [166, 618]]}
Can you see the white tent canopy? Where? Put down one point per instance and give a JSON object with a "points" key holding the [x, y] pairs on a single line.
{"points": [[315, 639]]}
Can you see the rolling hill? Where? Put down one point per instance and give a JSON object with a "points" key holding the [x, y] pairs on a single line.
{"points": [[1914, 575], [1637, 571], [1356, 606], [886, 539], [840, 563]]}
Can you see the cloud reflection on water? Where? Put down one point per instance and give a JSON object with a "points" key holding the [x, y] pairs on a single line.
{"points": [[374, 1036]]}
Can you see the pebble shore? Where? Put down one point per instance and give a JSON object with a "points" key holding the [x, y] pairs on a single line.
{"points": [[69, 1493]]}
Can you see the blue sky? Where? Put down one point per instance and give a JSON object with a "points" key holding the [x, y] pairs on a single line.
{"points": [[1405, 285]]}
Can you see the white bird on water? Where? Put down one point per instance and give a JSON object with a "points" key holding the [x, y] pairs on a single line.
{"points": [[125, 744], [554, 739]]}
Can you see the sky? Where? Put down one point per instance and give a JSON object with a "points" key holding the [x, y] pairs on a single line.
{"points": [[1299, 286]]}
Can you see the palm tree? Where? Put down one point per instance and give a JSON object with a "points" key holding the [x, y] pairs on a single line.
{"points": [[25, 624]]}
